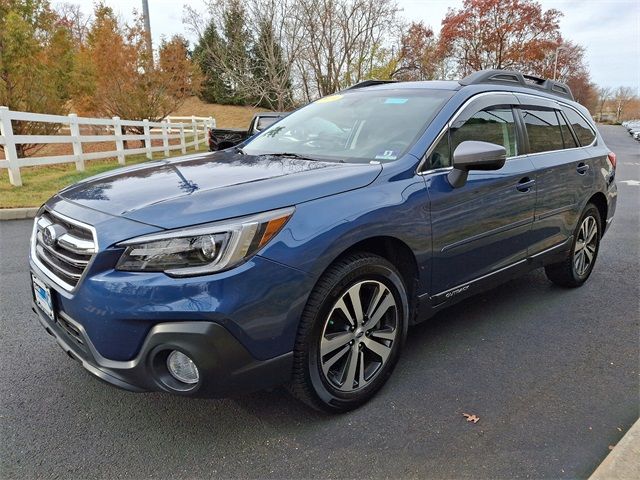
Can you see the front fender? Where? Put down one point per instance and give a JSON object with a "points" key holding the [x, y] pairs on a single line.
{"points": [[321, 230]]}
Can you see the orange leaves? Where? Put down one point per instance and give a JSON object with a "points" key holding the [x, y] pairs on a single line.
{"points": [[500, 34]]}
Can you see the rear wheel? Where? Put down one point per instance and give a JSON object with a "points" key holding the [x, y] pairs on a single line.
{"points": [[350, 334], [577, 267]]}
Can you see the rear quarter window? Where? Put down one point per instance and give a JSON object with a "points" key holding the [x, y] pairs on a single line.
{"points": [[580, 126]]}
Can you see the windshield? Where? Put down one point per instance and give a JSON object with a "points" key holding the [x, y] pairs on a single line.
{"points": [[356, 126]]}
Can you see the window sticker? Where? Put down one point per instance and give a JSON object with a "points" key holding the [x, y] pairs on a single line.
{"points": [[396, 101], [387, 155], [330, 98]]}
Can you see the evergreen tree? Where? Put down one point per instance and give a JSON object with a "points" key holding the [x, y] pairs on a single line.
{"points": [[213, 88], [236, 42], [270, 69]]}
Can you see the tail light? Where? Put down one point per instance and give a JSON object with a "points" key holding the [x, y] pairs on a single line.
{"points": [[612, 159]]}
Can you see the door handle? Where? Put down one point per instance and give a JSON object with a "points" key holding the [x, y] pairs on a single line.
{"points": [[525, 184], [582, 168]]}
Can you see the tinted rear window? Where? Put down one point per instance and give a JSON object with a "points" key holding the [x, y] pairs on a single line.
{"points": [[583, 130], [264, 122], [543, 130]]}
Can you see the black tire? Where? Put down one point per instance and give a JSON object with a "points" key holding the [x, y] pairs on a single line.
{"points": [[566, 273], [367, 273]]}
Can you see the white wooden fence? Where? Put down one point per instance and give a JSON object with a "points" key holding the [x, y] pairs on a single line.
{"points": [[170, 128]]}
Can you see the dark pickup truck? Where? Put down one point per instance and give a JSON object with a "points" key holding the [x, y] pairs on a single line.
{"points": [[222, 138]]}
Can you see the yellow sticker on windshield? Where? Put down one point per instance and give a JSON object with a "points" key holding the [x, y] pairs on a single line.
{"points": [[330, 98]]}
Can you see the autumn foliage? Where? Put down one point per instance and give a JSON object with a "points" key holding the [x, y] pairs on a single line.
{"points": [[503, 34], [56, 61], [497, 34], [115, 74], [273, 53]]}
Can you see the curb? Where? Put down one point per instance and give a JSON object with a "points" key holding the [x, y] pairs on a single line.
{"points": [[624, 460], [18, 213]]}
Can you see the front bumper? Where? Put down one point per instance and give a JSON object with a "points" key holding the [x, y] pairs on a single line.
{"points": [[225, 366]]}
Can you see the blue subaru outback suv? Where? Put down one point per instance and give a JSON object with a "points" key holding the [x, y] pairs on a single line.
{"points": [[302, 256]]}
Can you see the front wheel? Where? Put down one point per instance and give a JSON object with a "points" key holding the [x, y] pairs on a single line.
{"points": [[350, 334], [577, 267]]}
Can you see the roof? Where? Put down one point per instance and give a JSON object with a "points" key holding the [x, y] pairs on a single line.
{"points": [[507, 80], [426, 84]]}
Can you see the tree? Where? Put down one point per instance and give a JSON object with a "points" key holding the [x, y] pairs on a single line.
{"points": [[270, 70], [604, 94], [342, 40], [115, 77], [236, 47], [35, 59], [502, 34], [178, 74], [74, 20], [419, 56], [213, 88], [223, 50], [251, 61], [622, 97]]}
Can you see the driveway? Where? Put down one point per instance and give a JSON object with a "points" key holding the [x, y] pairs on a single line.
{"points": [[552, 374]]}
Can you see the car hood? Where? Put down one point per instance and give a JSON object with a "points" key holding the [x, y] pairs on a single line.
{"points": [[214, 186]]}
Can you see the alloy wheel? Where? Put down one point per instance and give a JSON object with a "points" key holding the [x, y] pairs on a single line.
{"points": [[586, 245], [358, 335]]}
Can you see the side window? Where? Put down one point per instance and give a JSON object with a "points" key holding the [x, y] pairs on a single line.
{"points": [[495, 125], [543, 130], [567, 136], [440, 156], [583, 130]]}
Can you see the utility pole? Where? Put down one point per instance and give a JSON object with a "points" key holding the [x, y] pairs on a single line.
{"points": [[555, 68], [147, 30]]}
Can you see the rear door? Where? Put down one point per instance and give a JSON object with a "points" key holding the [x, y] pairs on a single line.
{"points": [[485, 225], [564, 171]]}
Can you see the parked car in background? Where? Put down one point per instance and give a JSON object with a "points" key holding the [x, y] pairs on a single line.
{"points": [[222, 138], [303, 257]]}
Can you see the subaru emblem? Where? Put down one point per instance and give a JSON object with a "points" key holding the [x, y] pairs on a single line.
{"points": [[50, 235]]}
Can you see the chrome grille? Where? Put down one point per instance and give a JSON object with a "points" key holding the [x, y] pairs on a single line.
{"points": [[62, 247]]}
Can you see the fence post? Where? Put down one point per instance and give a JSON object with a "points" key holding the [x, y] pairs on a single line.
{"points": [[165, 138], [183, 144], [74, 127], [10, 152], [194, 127], [147, 138], [211, 124], [117, 130]]}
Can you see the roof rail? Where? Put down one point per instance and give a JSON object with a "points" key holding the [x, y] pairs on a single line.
{"points": [[369, 83], [509, 77]]}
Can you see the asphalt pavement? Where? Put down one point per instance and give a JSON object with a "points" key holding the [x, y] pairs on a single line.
{"points": [[552, 373]]}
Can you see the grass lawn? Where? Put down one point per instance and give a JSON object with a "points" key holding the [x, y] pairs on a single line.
{"points": [[40, 183], [227, 116]]}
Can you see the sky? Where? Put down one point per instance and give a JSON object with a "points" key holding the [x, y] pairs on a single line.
{"points": [[608, 29]]}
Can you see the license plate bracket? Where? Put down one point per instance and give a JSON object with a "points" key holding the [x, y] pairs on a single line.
{"points": [[42, 295]]}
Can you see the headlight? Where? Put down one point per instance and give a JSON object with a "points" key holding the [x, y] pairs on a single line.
{"points": [[202, 249]]}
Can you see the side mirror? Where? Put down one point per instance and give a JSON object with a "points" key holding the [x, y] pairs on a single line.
{"points": [[473, 155]]}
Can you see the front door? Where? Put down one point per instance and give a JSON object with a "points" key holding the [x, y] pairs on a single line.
{"points": [[485, 225]]}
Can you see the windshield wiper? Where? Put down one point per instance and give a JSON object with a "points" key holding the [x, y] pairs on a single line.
{"points": [[239, 150], [288, 155]]}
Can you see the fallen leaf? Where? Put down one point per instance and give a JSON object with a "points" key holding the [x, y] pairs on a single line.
{"points": [[471, 418]]}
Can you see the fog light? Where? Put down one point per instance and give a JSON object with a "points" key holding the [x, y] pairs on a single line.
{"points": [[182, 368]]}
